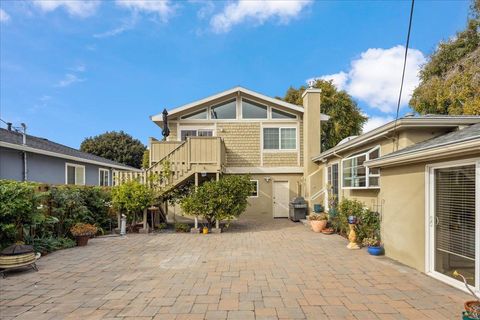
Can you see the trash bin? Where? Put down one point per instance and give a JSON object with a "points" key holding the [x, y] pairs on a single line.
{"points": [[298, 209]]}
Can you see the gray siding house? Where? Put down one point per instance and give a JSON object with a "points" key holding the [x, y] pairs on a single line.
{"points": [[30, 158]]}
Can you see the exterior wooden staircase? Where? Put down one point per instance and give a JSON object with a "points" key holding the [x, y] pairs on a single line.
{"points": [[174, 162]]}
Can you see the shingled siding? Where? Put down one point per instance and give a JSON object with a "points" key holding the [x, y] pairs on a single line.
{"points": [[173, 132], [242, 142], [280, 159]]}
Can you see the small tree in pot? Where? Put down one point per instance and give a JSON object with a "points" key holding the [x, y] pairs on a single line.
{"points": [[225, 199]]}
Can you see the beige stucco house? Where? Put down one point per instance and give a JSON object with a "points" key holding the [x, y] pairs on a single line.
{"points": [[420, 173]]}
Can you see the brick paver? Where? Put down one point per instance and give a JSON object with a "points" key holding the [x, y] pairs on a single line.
{"points": [[256, 270]]}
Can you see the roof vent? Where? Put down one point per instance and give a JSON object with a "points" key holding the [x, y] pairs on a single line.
{"points": [[346, 140], [409, 115]]}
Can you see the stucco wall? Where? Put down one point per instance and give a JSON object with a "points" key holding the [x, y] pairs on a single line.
{"points": [[42, 168]]}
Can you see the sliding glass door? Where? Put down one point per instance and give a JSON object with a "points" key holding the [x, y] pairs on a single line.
{"points": [[454, 234]]}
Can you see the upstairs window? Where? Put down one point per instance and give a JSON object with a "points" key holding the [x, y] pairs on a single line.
{"points": [[74, 174], [279, 138], [226, 110], [253, 110], [356, 175], [202, 114], [195, 133], [278, 114]]}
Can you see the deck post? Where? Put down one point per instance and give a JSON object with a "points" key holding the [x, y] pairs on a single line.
{"points": [[195, 229], [217, 223], [145, 226]]}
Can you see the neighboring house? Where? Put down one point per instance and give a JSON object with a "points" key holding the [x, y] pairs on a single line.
{"points": [[30, 158], [422, 174]]}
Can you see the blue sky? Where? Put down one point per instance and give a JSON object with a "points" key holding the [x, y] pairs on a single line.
{"points": [[72, 69]]}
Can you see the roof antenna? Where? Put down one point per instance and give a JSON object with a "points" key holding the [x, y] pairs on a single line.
{"points": [[24, 132]]}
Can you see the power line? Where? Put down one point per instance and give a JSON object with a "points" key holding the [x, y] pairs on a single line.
{"points": [[404, 63]]}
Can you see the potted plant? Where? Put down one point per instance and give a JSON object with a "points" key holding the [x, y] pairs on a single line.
{"points": [[472, 307], [82, 232], [328, 229], [318, 221], [374, 245], [205, 230]]}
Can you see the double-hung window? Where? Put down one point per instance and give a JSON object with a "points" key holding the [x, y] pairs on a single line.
{"points": [[74, 174], [279, 138], [195, 133], [332, 180], [355, 175], [103, 177], [254, 193]]}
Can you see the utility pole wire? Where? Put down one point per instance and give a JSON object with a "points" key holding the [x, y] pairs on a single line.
{"points": [[404, 64]]}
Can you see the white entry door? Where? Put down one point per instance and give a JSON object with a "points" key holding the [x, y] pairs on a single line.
{"points": [[281, 199], [454, 226]]}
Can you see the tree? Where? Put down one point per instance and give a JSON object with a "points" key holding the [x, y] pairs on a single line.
{"points": [[146, 159], [346, 118], [225, 199], [450, 80], [115, 146]]}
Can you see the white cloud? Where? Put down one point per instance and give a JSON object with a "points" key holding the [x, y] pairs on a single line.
{"points": [[79, 68], [163, 8], [79, 8], [376, 75], [68, 80], [257, 11], [375, 122], [125, 26], [4, 17]]}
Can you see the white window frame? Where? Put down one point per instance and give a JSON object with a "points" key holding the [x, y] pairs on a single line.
{"points": [[367, 170], [218, 104], [195, 128], [267, 109], [429, 220], [76, 166], [256, 181], [282, 119], [279, 138], [100, 170], [196, 112], [339, 172]]}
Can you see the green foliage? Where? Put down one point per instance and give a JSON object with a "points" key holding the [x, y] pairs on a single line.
{"points": [[181, 227], [368, 225], [146, 159], [450, 81], [132, 198], [116, 146], [346, 119], [26, 213], [161, 226], [19, 206], [225, 199], [49, 244]]}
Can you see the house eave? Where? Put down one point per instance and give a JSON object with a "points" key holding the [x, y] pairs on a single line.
{"points": [[64, 156]]}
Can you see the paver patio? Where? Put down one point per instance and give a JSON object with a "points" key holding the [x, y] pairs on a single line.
{"points": [[261, 270]]}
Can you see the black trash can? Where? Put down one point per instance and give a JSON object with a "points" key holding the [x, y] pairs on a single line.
{"points": [[298, 209]]}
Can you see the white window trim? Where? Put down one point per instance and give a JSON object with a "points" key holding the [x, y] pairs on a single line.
{"points": [[195, 128], [367, 170], [256, 181], [279, 138], [429, 212], [195, 112], [218, 104], [100, 170], [275, 119], [241, 109], [327, 195], [76, 166]]}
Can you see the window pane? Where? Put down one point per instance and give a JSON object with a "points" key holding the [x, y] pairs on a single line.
{"points": [[374, 154], [202, 114], [277, 114], [374, 171], [253, 110], [270, 138], [255, 188], [226, 110], [70, 175], [289, 139], [187, 133], [79, 173], [373, 181], [205, 133], [335, 179]]}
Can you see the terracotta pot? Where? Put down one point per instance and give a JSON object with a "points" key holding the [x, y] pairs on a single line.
{"points": [[472, 307], [318, 225], [328, 231], [82, 240]]}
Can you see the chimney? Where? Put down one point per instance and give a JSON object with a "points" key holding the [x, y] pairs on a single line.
{"points": [[312, 118], [9, 126], [24, 133]]}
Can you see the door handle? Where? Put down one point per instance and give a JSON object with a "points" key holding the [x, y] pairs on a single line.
{"points": [[437, 221]]}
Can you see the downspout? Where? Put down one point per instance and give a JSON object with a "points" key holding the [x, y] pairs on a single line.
{"points": [[24, 142]]}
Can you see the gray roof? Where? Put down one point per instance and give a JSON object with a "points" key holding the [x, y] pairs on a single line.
{"points": [[458, 136], [43, 144]]}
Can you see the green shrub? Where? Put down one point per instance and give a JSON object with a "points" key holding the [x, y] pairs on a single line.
{"points": [[224, 199], [181, 227], [368, 225], [49, 244], [132, 198]]}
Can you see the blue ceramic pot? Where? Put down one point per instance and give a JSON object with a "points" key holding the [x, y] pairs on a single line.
{"points": [[375, 251], [317, 208], [352, 219]]}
